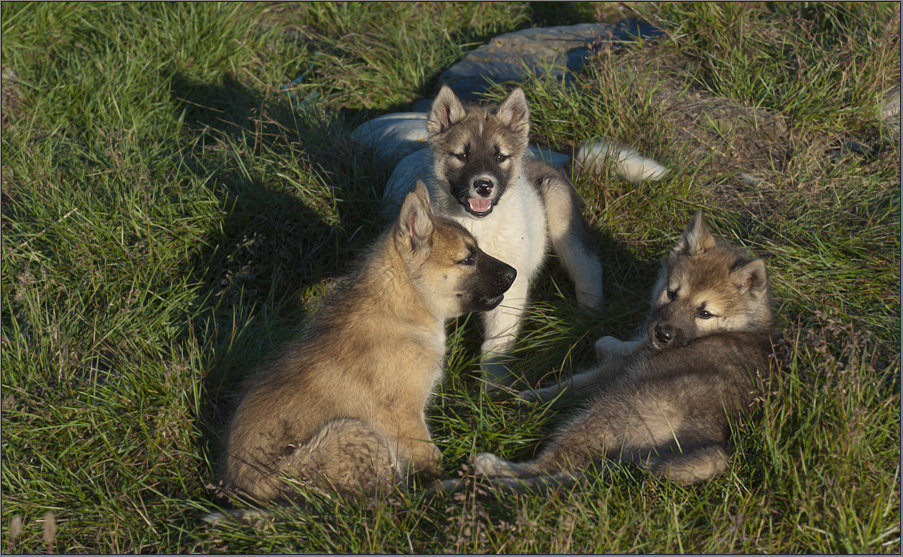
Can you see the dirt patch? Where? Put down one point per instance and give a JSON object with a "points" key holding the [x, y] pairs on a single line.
{"points": [[11, 110], [745, 155], [721, 135]]}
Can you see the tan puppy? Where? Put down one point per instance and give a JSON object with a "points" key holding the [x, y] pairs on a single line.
{"points": [[345, 406]]}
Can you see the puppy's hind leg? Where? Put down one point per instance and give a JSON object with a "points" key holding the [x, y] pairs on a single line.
{"points": [[693, 465], [486, 465], [346, 454], [570, 239], [509, 476]]}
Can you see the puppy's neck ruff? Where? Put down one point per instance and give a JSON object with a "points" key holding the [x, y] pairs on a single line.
{"points": [[385, 272]]}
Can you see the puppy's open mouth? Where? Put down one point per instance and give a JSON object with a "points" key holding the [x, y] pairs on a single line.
{"points": [[478, 206]]}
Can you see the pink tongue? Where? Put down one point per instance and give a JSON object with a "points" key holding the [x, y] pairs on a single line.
{"points": [[479, 205]]}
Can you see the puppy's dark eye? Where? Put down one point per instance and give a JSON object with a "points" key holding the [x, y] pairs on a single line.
{"points": [[461, 156], [469, 260], [672, 295], [500, 158], [703, 314]]}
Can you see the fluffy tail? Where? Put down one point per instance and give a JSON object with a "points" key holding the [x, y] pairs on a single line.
{"points": [[627, 162]]}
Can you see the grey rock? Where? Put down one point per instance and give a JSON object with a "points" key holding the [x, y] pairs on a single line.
{"points": [[889, 112], [9, 75], [423, 105], [849, 147], [392, 137], [554, 51], [549, 156], [403, 179]]}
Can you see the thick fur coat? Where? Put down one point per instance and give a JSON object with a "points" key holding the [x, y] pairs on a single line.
{"points": [[666, 401], [515, 205]]}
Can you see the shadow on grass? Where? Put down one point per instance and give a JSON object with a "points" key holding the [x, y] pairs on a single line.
{"points": [[285, 186]]}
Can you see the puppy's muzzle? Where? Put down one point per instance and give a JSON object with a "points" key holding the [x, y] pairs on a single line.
{"points": [[483, 187], [664, 334], [494, 282]]}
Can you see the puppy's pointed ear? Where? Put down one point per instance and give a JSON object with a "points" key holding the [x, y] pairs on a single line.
{"points": [[751, 278], [414, 229], [445, 112], [514, 113], [696, 239]]}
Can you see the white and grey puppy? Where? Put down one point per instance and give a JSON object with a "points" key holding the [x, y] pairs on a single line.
{"points": [[516, 206]]}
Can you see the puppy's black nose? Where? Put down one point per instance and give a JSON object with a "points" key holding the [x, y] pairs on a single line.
{"points": [[509, 275], [483, 187], [663, 334]]}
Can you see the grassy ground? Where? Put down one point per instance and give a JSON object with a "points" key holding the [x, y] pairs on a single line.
{"points": [[170, 215]]}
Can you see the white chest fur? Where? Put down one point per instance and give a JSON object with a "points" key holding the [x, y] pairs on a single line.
{"points": [[515, 232]]}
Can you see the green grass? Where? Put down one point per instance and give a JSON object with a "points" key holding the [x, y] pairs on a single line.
{"points": [[171, 214]]}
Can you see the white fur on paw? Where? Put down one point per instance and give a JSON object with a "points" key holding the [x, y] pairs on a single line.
{"points": [[606, 346], [213, 518], [487, 464]]}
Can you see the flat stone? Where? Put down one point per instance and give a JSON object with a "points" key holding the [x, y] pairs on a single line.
{"points": [[548, 156], [403, 179], [889, 111], [553, 51], [392, 137]]}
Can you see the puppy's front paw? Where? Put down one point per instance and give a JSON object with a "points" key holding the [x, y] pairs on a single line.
{"points": [[426, 461]]}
